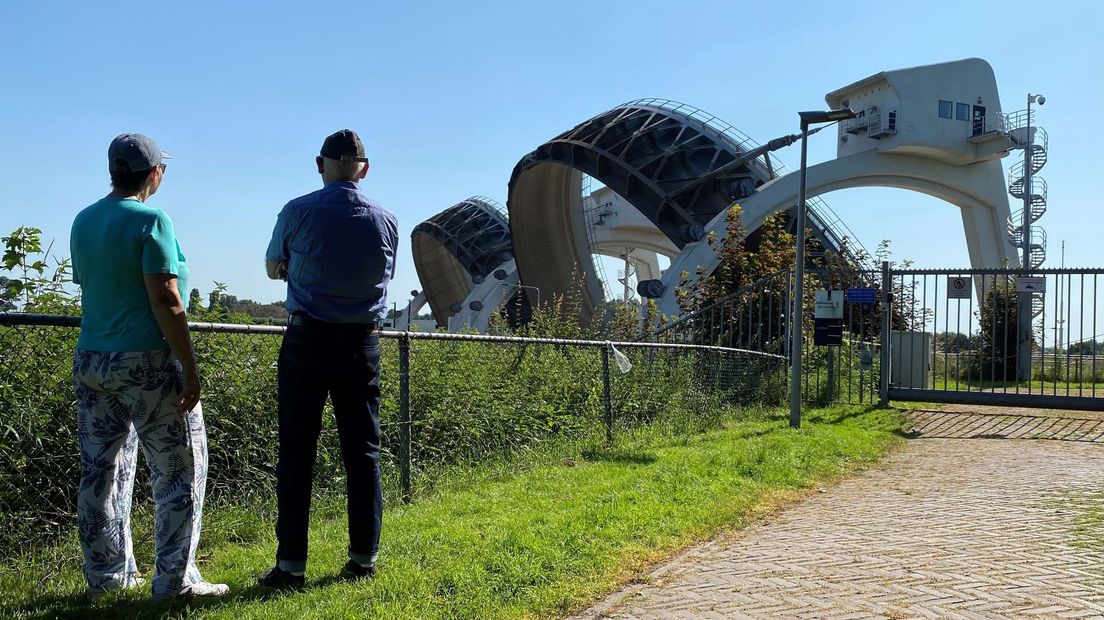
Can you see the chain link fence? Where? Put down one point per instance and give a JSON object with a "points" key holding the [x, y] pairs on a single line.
{"points": [[757, 317], [450, 403]]}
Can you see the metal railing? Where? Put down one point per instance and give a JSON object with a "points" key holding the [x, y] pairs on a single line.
{"points": [[962, 340], [450, 402], [757, 317]]}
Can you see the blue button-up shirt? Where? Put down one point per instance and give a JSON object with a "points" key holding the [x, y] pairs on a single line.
{"points": [[339, 246]]}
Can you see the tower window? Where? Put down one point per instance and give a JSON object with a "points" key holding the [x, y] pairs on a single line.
{"points": [[962, 111], [945, 108]]}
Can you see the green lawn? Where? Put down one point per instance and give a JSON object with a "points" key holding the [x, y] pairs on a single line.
{"points": [[1036, 386], [535, 544]]}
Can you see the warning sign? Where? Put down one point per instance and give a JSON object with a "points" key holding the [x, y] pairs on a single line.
{"points": [[829, 304], [1031, 284], [959, 287]]}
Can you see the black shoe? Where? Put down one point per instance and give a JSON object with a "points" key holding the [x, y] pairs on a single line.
{"points": [[353, 570], [280, 579]]}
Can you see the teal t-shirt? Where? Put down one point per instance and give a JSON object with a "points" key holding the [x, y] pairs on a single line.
{"points": [[114, 242]]}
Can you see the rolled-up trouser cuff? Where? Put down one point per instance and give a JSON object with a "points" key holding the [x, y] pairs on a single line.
{"points": [[292, 567], [364, 560]]}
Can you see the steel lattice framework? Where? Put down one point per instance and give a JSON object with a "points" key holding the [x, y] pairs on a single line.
{"points": [[463, 243], [675, 163]]}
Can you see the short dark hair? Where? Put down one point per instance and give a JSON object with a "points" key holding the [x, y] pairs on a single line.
{"points": [[128, 181]]}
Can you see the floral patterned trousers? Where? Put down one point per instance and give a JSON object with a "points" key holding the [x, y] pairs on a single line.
{"points": [[123, 400]]}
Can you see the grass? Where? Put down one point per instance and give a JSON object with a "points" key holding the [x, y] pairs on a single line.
{"points": [[1042, 386], [1088, 524], [533, 544]]}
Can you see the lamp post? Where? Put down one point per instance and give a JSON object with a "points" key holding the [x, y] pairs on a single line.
{"points": [[807, 118], [1023, 344], [525, 286], [410, 309]]}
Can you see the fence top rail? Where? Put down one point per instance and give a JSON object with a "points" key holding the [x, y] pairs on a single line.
{"points": [[1001, 272], [19, 318]]}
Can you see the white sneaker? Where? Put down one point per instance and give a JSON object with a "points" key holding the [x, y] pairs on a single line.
{"points": [[95, 594], [204, 589]]}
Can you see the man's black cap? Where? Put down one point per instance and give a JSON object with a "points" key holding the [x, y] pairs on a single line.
{"points": [[343, 145]]}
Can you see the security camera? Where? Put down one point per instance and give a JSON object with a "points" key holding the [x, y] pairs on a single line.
{"points": [[1042, 100]]}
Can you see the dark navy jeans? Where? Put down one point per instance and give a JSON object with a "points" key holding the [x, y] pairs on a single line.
{"points": [[343, 362]]}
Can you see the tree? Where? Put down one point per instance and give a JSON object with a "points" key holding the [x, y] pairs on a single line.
{"points": [[214, 299], [771, 251], [1086, 347], [909, 311], [998, 342], [727, 295], [954, 342]]}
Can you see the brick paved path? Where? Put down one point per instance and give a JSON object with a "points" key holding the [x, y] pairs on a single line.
{"points": [[947, 528]]}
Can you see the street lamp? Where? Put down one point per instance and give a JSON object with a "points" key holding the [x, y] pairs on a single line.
{"points": [[525, 286], [410, 309], [807, 118]]}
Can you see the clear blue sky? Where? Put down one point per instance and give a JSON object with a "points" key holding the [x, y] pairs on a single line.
{"points": [[449, 95]]}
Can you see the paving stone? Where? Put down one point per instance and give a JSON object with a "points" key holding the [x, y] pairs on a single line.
{"points": [[951, 526]]}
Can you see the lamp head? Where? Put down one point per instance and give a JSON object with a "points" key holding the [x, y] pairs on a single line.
{"points": [[825, 116], [1036, 99]]}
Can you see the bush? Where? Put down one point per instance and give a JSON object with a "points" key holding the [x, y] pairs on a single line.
{"points": [[469, 401]]}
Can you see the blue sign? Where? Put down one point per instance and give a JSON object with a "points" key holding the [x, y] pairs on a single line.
{"points": [[862, 295]]}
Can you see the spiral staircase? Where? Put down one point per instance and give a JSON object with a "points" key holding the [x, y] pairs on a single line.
{"points": [[1033, 140]]}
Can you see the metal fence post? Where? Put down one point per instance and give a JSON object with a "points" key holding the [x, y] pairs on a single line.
{"points": [[607, 399], [404, 417], [789, 308], [887, 328]]}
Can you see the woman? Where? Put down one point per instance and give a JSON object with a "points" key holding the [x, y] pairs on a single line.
{"points": [[136, 382]]}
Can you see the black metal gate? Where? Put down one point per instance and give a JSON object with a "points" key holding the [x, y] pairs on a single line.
{"points": [[1027, 338]]}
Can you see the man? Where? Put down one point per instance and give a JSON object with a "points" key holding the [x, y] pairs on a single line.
{"points": [[336, 249], [136, 381]]}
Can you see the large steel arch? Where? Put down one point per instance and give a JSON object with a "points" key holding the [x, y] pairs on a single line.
{"points": [[458, 248], [677, 165]]}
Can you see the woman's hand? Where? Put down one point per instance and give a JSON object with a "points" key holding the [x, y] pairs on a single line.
{"points": [[189, 397]]}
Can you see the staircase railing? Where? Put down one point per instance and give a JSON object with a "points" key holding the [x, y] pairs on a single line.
{"points": [[1021, 129]]}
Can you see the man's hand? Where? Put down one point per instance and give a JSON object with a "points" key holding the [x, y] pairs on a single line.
{"points": [[277, 270], [189, 398]]}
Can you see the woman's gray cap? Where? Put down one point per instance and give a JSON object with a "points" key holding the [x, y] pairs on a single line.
{"points": [[134, 152]]}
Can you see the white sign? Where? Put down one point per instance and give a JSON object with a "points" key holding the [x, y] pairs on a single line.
{"points": [[829, 305], [1031, 284], [959, 287]]}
